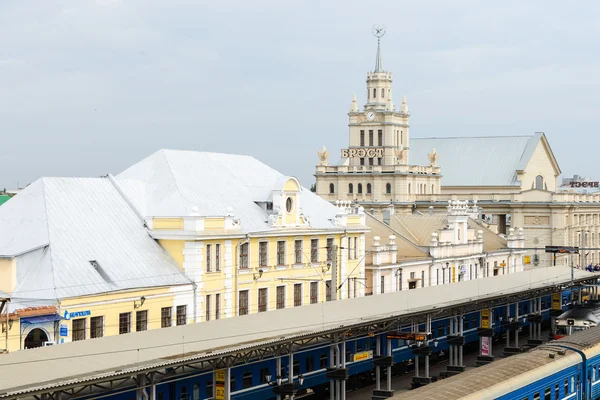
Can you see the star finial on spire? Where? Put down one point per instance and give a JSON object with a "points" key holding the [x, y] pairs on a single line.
{"points": [[378, 32]]}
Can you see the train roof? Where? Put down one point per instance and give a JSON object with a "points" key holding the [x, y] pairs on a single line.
{"points": [[508, 374], [582, 313]]}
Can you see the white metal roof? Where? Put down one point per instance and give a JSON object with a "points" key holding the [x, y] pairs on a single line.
{"points": [[56, 226], [169, 183], [477, 161], [95, 358]]}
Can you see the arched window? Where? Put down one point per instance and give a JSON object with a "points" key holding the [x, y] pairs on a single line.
{"points": [[360, 188], [432, 190], [539, 182], [368, 188], [374, 93], [350, 188], [383, 93], [388, 188], [409, 188], [331, 188]]}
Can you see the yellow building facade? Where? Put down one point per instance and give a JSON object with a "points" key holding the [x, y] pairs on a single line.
{"points": [[267, 244], [180, 237]]}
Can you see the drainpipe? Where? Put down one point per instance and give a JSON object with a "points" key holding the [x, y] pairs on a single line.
{"points": [[237, 272], [195, 302]]}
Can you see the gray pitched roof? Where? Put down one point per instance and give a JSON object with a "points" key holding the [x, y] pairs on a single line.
{"points": [[169, 183], [57, 226], [477, 161]]}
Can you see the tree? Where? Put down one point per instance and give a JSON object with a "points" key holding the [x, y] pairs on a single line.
{"points": [[313, 188]]}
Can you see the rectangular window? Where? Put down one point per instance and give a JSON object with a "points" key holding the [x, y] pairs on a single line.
{"points": [[298, 251], [96, 327], [371, 161], [379, 137], [217, 257], [262, 254], [383, 284], [355, 247], [547, 394], [323, 360], [349, 248], [314, 250], [422, 278], [208, 307], [536, 396], [362, 161], [244, 256], [310, 364], [247, 380], [362, 138], [141, 321], [328, 290], [314, 292], [329, 249], [297, 294], [379, 161], [208, 257], [78, 329], [371, 138], [243, 304], [181, 315], [280, 253], [280, 297], [296, 367], [262, 300], [263, 375], [124, 323], [218, 306]]}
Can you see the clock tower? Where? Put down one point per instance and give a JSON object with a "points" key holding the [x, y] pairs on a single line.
{"points": [[374, 170], [379, 133]]}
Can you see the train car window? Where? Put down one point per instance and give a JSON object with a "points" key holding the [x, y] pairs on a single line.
{"points": [[557, 392], [547, 394], [161, 396], [296, 370], [348, 355], [196, 392], [323, 361], [183, 395], [566, 387], [536, 396], [359, 346], [594, 373], [232, 383], [440, 331], [247, 380], [263, 375], [310, 364], [209, 389], [474, 322]]}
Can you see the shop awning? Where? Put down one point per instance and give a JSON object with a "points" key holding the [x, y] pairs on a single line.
{"points": [[40, 319]]}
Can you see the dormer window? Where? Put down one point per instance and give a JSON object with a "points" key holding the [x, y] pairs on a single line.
{"points": [[270, 206], [289, 204]]}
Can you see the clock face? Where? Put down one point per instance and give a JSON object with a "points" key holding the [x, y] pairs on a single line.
{"points": [[370, 115]]}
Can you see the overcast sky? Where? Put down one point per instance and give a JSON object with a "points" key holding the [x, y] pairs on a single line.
{"points": [[90, 87]]}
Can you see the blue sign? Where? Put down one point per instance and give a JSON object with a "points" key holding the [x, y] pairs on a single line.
{"points": [[67, 315], [64, 330]]}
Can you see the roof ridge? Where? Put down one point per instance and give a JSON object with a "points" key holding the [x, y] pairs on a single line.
{"points": [[474, 137], [173, 177]]}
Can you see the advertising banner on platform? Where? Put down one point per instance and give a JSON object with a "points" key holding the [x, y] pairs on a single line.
{"points": [[485, 346]]}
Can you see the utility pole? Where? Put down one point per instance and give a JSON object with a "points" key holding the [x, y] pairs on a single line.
{"points": [[334, 273]]}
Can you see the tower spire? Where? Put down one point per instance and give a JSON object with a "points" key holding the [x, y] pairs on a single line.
{"points": [[378, 63], [378, 32]]}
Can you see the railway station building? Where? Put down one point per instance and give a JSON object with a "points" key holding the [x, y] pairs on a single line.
{"points": [[513, 179], [410, 251], [178, 238]]}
